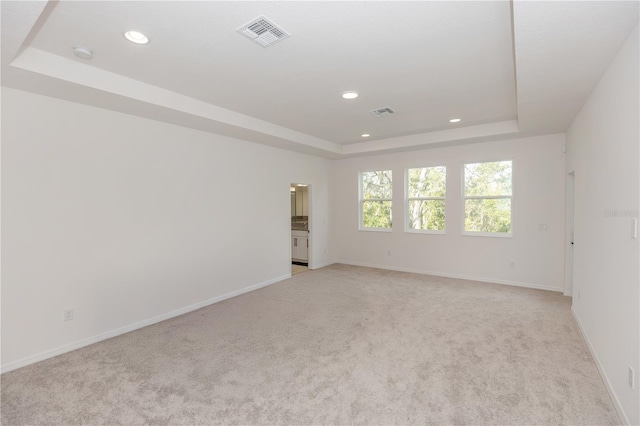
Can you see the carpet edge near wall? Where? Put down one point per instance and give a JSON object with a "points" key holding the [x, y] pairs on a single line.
{"points": [[458, 276], [603, 375], [50, 353]]}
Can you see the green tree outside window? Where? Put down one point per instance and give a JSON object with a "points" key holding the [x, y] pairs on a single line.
{"points": [[426, 188], [375, 199], [487, 197]]}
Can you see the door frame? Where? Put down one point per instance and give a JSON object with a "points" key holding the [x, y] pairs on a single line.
{"points": [[569, 234], [309, 221]]}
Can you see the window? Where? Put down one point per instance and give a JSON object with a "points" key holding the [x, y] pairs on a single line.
{"points": [[487, 198], [375, 200], [426, 187]]}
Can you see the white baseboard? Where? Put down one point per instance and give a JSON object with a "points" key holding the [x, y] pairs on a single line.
{"points": [[113, 333], [605, 379], [448, 275], [322, 264]]}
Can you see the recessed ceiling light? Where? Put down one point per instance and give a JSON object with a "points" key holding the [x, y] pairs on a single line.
{"points": [[350, 95], [455, 120], [136, 37], [83, 52], [365, 135]]}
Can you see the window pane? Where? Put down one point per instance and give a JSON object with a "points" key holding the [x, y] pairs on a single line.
{"points": [[427, 182], [487, 215], [376, 184], [487, 178], [426, 214], [376, 214]]}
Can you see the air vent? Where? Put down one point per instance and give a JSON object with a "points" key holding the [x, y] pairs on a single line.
{"points": [[263, 31], [383, 111]]}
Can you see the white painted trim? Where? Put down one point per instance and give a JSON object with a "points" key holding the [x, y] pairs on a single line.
{"points": [[50, 65], [113, 333], [605, 379], [447, 275], [322, 264], [508, 127], [375, 229], [487, 234]]}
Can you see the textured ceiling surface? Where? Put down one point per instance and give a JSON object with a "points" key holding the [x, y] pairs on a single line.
{"points": [[505, 68]]}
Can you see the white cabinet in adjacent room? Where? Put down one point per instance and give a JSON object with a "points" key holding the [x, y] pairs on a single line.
{"points": [[299, 246]]}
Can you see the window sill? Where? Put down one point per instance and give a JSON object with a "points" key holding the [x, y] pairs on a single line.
{"points": [[487, 234], [376, 229], [425, 231]]}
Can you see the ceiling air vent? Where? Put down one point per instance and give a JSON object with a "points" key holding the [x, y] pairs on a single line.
{"points": [[383, 111], [263, 31]]}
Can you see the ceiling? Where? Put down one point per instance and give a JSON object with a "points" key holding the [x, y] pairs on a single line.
{"points": [[505, 68]]}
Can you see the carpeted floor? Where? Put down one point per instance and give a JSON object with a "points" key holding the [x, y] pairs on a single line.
{"points": [[338, 345]]}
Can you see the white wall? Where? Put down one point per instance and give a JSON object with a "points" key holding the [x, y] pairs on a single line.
{"points": [[603, 150], [538, 179], [128, 220]]}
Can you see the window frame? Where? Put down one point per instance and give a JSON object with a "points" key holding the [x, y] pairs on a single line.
{"points": [[464, 232], [362, 200], [408, 199]]}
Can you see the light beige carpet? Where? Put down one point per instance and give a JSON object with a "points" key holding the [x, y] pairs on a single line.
{"points": [[338, 345]]}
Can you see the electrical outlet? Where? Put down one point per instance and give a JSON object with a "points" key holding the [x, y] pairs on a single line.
{"points": [[68, 314], [632, 378], [388, 252], [512, 264]]}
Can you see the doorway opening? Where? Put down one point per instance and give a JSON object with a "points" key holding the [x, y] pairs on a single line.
{"points": [[569, 238], [300, 227]]}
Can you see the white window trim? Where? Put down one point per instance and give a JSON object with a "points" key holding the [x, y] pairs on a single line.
{"points": [[409, 230], [361, 201], [466, 233]]}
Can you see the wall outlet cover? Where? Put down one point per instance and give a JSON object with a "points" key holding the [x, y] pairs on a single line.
{"points": [[68, 314]]}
